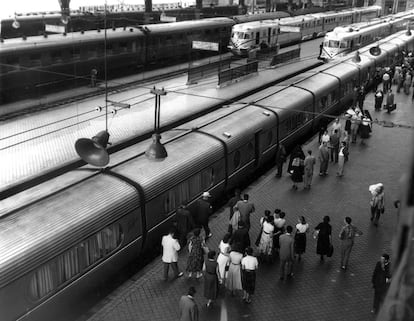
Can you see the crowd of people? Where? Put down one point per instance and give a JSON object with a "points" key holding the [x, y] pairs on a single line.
{"points": [[234, 266]]}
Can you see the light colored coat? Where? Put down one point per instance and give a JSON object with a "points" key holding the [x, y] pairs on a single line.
{"points": [[170, 248]]}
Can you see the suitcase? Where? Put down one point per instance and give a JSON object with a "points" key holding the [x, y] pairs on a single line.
{"points": [[390, 108]]}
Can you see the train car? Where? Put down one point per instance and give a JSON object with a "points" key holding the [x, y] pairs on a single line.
{"points": [[271, 33], [58, 246], [346, 39], [36, 65]]}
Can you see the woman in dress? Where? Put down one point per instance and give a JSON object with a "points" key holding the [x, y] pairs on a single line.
{"points": [[211, 278], [233, 280], [196, 257], [266, 239], [234, 220], [377, 202], [223, 257], [324, 231], [249, 266], [300, 236]]}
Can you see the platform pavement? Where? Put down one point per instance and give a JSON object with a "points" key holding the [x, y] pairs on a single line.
{"points": [[318, 291], [54, 149]]}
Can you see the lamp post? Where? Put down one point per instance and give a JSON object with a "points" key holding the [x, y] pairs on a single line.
{"points": [[157, 151]]}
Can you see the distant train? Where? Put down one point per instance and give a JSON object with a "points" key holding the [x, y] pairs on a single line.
{"points": [[270, 33], [346, 39], [61, 240], [37, 65]]}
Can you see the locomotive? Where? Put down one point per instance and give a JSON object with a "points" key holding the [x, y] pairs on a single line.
{"points": [[62, 239]]}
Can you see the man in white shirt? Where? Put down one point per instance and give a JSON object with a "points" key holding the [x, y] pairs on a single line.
{"points": [[170, 248]]}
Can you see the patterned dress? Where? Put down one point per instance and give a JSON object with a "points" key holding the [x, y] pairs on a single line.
{"points": [[196, 257]]}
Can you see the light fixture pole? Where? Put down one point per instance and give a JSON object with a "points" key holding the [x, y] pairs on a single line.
{"points": [[157, 151]]}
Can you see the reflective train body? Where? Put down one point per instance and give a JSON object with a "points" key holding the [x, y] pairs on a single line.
{"points": [[63, 239], [343, 40], [37, 65], [269, 33]]}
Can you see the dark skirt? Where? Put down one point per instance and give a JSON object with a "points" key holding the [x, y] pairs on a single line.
{"points": [[300, 243], [322, 247], [364, 131], [210, 286], [249, 281], [297, 175]]}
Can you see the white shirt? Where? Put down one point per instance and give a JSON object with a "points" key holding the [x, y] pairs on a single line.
{"points": [[341, 152], [249, 263], [325, 138], [279, 222], [170, 248], [268, 228], [302, 228]]}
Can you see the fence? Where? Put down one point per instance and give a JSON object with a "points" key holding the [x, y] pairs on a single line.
{"points": [[199, 72], [238, 72], [286, 56]]}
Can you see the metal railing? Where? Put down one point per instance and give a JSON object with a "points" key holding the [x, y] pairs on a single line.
{"points": [[238, 72], [286, 56], [199, 72]]}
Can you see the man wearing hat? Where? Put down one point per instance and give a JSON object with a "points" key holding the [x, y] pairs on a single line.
{"points": [[204, 210]]}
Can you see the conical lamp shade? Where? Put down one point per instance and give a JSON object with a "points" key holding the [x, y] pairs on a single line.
{"points": [[156, 151], [93, 151]]}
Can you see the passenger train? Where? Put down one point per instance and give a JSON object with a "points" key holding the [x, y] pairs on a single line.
{"points": [[343, 40], [64, 238], [270, 33], [36, 65]]}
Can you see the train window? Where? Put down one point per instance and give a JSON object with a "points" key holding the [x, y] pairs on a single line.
{"points": [[75, 53], [343, 44], [195, 184], [35, 59], [208, 178], [236, 159], [269, 138], [250, 151], [333, 43], [323, 103], [246, 36], [56, 56], [123, 46], [73, 262]]}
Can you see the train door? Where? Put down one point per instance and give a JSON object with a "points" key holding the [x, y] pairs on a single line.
{"points": [[257, 37], [257, 153]]}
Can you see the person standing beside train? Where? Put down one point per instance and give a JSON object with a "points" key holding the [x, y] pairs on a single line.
{"points": [[170, 248], [204, 210], [324, 159], [185, 223]]}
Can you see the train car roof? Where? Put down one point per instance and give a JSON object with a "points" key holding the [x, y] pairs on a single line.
{"points": [[318, 84], [189, 25], [296, 19], [255, 24], [260, 16], [70, 39], [40, 231]]}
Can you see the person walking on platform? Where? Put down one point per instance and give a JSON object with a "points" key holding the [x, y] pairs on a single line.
{"points": [[233, 201], [297, 174], [381, 279], [361, 97], [195, 259], [170, 248], [390, 101], [188, 307], [364, 129], [223, 257], [246, 208], [94, 74], [234, 221], [185, 223], [386, 82], [342, 158], [249, 265], [286, 253], [323, 234], [377, 202], [204, 210], [280, 159], [334, 146], [337, 126], [211, 278], [347, 236], [300, 237], [308, 164], [323, 159], [407, 83], [233, 280], [379, 98], [296, 152], [265, 247], [355, 120], [240, 239]]}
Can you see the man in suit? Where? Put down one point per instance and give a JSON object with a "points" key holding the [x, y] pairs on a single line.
{"points": [[188, 307], [334, 142], [170, 248], [280, 159], [286, 253], [245, 208], [185, 223], [308, 164], [380, 281], [204, 210], [240, 239], [324, 159]]}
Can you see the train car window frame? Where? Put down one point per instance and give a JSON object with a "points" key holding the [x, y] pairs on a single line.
{"points": [[236, 159], [62, 269]]}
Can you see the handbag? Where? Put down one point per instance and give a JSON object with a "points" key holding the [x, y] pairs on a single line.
{"points": [[330, 250]]}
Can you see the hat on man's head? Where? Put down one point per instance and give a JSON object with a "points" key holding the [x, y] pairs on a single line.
{"points": [[206, 194]]}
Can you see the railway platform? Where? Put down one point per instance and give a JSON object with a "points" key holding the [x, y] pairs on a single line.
{"points": [[318, 291], [39, 146]]}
